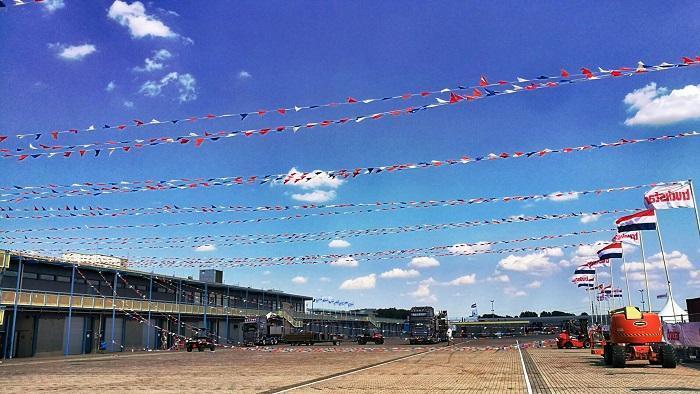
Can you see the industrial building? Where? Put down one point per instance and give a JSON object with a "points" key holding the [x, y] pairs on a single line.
{"points": [[54, 307]]}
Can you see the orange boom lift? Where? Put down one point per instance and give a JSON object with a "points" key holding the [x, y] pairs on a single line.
{"points": [[636, 335]]}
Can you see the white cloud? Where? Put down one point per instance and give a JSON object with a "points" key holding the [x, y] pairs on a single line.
{"points": [[313, 180], [338, 243], [299, 280], [535, 284], [73, 52], [674, 261], [205, 248], [155, 62], [694, 278], [360, 283], [535, 263], [423, 293], [463, 280], [513, 292], [53, 5], [655, 106], [243, 74], [469, 249], [324, 279], [266, 272], [345, 262], [399, 273], [503, 278], [110, 86], [586, 218], [139, 23], [129, 104], [563, 197], [186, 85], [586, 253], [316, 196], [423, 262]]}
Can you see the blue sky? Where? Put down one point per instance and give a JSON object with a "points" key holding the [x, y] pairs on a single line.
{"points": [[80, 63]]}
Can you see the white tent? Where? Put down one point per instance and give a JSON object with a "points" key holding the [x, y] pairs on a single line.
{"points": [[667, 314]]}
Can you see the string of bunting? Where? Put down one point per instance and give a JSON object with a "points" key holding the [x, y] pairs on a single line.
{"points": [[43, 212], [21, 2], [283, 237], [222, 263], [100, 188], [453, 249], [475, 92]]}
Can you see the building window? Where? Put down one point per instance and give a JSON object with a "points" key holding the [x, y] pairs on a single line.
{"points": [[160, 290], [11, 273], [93, 282], [47, 277], [60, 278], [29, 275], [141, 287]]}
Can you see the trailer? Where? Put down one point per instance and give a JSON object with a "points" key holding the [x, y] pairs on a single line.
{"points": [[263, 330], [310, 338]]}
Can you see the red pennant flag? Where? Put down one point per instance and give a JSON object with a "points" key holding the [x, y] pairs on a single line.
{"points": [[262, 112], [280, 128], [455, 98], [126, 148], [81, 152], [263, 131], [503, 82], [3, 138], [423, 94], [587, 72], [121, 127], [615, 73], [351, 100], [138, 122], [22, 157], [483, 81], [67, 154], [54, 135], [210, 116], [476, 93], [406, 96], [282, 111], [184, 141], [198, 142], [564, 73]]}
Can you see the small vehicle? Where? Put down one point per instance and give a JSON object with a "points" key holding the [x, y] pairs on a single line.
{"points": [[200, 341], [598, 339], [568, 341], [366, 337], [636, 335]]}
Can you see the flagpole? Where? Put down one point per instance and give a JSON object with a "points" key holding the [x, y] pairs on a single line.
{"points": [[663, 258], [612, 285], [627, 282], [644, 266], [695, 205], [588, 290]]}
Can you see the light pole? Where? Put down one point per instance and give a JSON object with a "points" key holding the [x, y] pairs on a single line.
{"points": [[641, 294], [493, 315]]}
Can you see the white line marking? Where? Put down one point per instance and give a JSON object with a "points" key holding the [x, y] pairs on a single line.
{"points": [[522, 362]]}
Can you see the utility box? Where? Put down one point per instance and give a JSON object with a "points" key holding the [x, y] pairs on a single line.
{"points": [[211, 276], [693, 305]]}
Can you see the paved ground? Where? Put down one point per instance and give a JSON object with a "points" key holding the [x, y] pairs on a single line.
{"points": [[476, 366]]}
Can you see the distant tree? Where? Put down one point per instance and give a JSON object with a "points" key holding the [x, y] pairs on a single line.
{"points": [[528, 314], [584, 314], [560, 313], [545, 314], [491, 316]]}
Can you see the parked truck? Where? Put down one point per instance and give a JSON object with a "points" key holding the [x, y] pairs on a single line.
{"points": [[427, 327], [263, 330]]}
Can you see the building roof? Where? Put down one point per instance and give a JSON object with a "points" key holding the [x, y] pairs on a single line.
{"points": [[59, 261]]}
